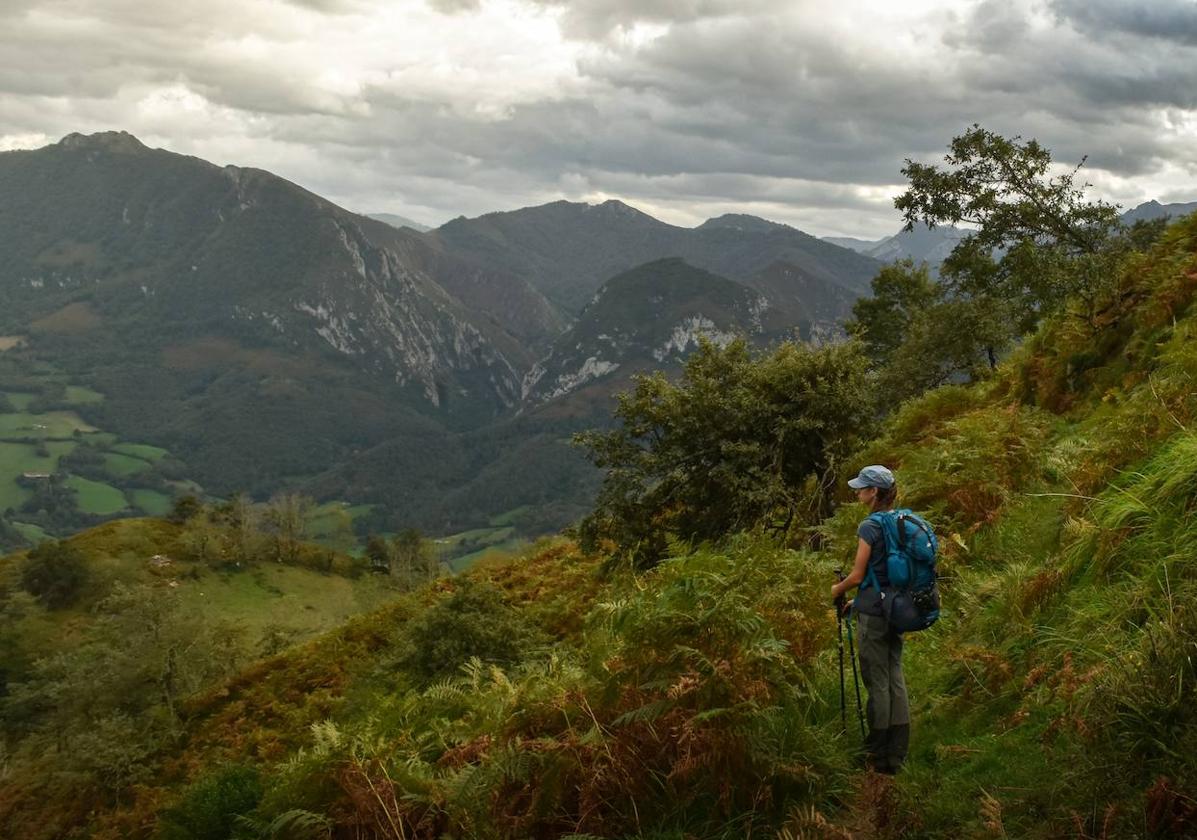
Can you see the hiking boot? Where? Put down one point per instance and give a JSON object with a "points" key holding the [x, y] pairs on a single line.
{"points": [[875, 755], [896, 745]]}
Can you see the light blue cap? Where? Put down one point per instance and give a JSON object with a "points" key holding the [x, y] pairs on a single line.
{"points": [[873, 476]]}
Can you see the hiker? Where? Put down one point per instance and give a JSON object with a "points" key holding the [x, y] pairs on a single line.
{"points": [[880, 646]]}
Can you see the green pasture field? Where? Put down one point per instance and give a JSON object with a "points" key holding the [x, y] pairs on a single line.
{"points": [[460, 550], [20, 400], [140, 450], [31, 532], [477, 536], [272, 595], [259, 599], [120, 465], [53, 424], [18, 458], [151, 501], [79, 395], [509, 517], [464, 561], [322, 519], [97, 498]]}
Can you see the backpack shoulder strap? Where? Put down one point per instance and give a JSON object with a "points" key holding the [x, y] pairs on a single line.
{"points": [[870, 580]]}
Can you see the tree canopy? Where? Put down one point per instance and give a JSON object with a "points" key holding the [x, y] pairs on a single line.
{"points": [[1036, 240], [741, 439]]}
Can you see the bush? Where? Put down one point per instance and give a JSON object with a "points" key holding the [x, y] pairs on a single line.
{"points": [[209, 808], [473, 622], [55, 573]]}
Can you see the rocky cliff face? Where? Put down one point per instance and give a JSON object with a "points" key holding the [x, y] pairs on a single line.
{"points": [[648, 318], [166, 246]]}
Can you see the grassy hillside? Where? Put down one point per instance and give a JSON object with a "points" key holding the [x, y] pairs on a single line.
{"points": [[541, 698]]}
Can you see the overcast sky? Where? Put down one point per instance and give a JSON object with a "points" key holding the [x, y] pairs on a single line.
{"points": [[799, 111]]}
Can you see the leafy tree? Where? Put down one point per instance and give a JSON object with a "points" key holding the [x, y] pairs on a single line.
{"points": [[203, 540], [184, 508], [378, 553], [740, 440], [1053, 242], [287, 516], [10, 537], [241, 521], [901, 292], [54, 572], [413, 559], [955, 338]]}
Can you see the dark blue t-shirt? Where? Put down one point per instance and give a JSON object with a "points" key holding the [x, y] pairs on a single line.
{"points": [[870, 532]]}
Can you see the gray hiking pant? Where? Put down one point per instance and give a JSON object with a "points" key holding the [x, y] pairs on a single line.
{"points": [[888, 710]]}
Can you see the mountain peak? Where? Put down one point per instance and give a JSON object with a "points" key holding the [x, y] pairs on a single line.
{"points": [[615, 207], [741, 222], [110, 141]]}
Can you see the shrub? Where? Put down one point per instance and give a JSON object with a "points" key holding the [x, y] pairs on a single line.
{"points": [[209, 808], [474, 622], [54, 572]]}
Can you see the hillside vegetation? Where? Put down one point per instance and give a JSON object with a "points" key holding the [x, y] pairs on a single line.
{"points": [[564, 693]]}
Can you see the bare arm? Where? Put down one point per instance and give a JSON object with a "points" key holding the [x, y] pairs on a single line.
{"points": [[859, 567]]}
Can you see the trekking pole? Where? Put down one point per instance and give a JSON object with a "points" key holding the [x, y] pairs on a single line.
{"points": [[839, 623], [852, 655], [856, 681]]}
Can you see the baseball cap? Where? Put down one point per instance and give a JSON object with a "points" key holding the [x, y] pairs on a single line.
{"points": [[873, 476]]}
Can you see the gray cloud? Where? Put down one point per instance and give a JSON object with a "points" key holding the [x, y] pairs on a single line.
{"points": [[1168, 20], [803, 112], [595, 19], [454, 6]]}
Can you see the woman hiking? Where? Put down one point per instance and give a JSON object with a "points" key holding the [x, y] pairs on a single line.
{"points": [[880, 647]]}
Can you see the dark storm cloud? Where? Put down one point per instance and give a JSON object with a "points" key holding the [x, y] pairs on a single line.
{"points": [[798, 110], [1168, 20]]}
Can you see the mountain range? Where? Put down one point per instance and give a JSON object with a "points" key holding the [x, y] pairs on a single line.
{"points": [[271, 339], [932, 245], [395, 220]]}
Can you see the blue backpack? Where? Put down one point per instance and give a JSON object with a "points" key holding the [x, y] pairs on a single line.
{"points": [[911, 602]]}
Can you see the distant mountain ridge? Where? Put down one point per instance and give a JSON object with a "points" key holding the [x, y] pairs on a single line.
{"points": [[568, 250], [395, 220], [1154, 210], [922, 244], [932, 245]]}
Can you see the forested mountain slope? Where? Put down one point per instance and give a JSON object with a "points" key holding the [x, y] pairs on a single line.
{"points": [[567, 250], [271, 340], [258, 332], [645, 319], [1055, 698]]}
